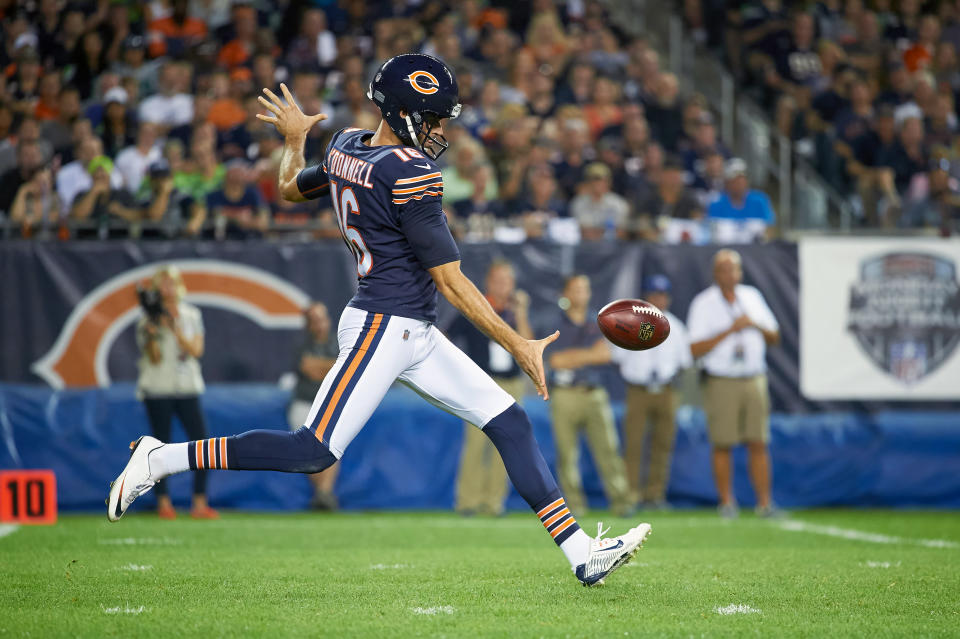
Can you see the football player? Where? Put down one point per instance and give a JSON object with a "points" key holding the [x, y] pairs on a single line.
{"points": [[386, 192]]}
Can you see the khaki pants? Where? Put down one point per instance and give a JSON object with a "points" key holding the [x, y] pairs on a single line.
{"points": [[576, 409], [738, 410], [482, 479], [658, 411]]}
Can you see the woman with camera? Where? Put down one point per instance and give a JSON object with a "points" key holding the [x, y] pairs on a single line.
{"points": [[170, 337]]}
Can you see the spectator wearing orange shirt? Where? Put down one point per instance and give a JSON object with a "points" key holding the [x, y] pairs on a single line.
{"points": [[48, 107], [604, 111], [176, 33], [227, 110], [238, 51], [920, 54]]}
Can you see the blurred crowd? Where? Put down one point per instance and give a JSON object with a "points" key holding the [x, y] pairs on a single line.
{"points": [[123, 119], [866, 89]]}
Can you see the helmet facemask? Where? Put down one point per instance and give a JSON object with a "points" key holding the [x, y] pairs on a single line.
{"points": [[432, 144]]}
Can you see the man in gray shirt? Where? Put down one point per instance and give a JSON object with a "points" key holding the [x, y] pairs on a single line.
{"points": [[314, 360]]}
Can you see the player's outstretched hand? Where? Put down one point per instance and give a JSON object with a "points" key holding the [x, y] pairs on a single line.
{"points": [[530, 360], [287, 116]]}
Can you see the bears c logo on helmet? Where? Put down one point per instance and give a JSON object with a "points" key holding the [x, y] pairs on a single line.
{"points": [[423, 82]]}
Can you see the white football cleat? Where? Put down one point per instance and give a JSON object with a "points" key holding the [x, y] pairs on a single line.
{"points": [[606, 555], [135, 479]]}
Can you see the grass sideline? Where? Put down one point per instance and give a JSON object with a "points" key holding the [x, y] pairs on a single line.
{"points": [[436, 574]]}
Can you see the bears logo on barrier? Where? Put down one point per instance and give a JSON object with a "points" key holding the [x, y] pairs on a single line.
{"points": [[79, 355]]}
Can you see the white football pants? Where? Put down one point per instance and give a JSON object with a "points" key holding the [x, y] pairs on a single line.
{"points": [[377, 349]]}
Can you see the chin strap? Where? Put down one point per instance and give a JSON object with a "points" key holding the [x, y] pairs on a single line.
{"points": [[413, 136]]}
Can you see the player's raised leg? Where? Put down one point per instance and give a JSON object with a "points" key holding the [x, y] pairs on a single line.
{"points": [[449, 379], [372, 354]]}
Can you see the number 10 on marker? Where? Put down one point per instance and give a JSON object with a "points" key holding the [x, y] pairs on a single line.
{"points": [[28, 497]]}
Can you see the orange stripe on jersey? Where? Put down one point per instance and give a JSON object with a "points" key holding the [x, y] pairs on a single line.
{"points": [[550, 507], [199, 453], [556, 517], [417, 197], [414, 189], [223, 453], [560, 529], [354, 363], [322, 186], [212, 453], [419, 178]]}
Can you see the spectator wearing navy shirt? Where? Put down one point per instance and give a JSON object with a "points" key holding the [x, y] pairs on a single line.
{"points": [[237, 208], [482, 479], [908, 155], [579, 402], [703, 145], [740, 214], [542, 203], [479, 202], [796, 62]]}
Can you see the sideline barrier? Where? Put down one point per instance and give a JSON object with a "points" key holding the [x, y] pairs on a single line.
{"points": [[407, 455]]}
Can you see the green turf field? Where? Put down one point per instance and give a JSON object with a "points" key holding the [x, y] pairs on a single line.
{"points": [[817, 574]]}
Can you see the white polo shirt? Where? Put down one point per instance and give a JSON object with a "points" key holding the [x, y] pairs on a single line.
{"points": [[741, 354], [133, 165], [657, 366]]}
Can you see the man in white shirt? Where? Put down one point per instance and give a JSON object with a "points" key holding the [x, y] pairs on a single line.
{"points": [[730, 327], [171, 106], [133, 161], [74, 178], [599, 211], [650, 399]]}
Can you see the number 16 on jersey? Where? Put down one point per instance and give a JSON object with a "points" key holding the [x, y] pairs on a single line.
{"points": [[345, 204]]}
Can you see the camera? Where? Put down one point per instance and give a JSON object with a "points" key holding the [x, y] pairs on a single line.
{"points": [[151, 302]]}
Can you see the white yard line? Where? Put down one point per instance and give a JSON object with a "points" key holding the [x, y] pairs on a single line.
{"points": [[794, 525], [880, 564], [136, 567], [389, 566], [433, 610], [737, 609], [139, 541], [124, 610], [8, 529]]}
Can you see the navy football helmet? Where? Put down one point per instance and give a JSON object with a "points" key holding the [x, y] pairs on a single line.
{"points": [[425, 90]]}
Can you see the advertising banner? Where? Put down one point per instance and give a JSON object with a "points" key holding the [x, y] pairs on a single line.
{"points": [[879, 319]]}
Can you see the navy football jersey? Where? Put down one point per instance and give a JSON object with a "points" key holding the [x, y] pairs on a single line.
{"points": [[387, 203]]}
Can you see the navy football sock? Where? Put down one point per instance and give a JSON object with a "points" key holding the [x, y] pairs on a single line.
{"points": [[512, 434], [291, 452]]}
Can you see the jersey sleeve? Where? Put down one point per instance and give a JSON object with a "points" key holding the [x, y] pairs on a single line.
{"points": [[313, 182], [423, 184], [416, 193], [425, 226]]}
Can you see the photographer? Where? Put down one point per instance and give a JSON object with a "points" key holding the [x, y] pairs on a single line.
{"points": [[170, 337]]}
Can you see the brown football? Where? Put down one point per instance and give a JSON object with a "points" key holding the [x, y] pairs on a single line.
{"points": [[633, 324]]}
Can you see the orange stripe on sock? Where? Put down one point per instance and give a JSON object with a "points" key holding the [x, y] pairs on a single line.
{"points": [[212, 456], [555, 518], [223, 452], [199, 449], [550, 507], [354, 363], [560, 529]]}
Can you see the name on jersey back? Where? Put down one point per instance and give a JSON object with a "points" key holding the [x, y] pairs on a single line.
{"points": [[347, 167]]}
